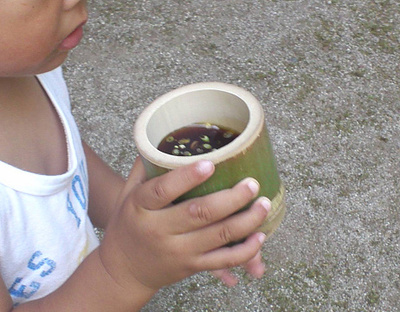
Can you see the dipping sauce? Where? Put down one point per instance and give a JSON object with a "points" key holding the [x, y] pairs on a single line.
{"points": [[196, 139]]}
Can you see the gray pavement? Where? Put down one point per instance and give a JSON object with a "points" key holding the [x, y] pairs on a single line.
{"points": [[328, 76]]}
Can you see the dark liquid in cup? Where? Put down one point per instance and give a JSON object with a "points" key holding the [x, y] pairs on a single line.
{"points": [[197, 139]]}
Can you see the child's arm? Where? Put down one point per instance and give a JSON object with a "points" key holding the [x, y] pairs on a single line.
{"points": [[104, 188], [149, 243]]}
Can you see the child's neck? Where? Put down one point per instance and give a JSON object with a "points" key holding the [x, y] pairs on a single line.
{"points": [[11, 88], [31, 134]]}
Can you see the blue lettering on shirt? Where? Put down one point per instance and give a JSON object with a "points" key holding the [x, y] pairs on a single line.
{"points": [[79, 191], [19, 290], [78, 194], [71, 209], [46, 261]]}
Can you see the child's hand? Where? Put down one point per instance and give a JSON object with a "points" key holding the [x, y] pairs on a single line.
{"points": [[155, 243], [255, 267]]}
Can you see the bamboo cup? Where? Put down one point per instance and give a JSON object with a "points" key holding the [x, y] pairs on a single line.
{"points": [[249, 155]]}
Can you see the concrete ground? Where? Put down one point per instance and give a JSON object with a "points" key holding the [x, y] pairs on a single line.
{"points": [[328, 76]]}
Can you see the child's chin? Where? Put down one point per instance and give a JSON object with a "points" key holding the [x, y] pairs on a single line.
{"points": [[53, 64]]}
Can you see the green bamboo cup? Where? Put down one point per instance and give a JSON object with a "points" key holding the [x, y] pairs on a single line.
{"points": [[249, 155]]}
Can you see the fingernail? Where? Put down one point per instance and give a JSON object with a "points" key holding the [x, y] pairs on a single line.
{"points": [[204, 166], [265, 203], [261, 238], [253, 186]]}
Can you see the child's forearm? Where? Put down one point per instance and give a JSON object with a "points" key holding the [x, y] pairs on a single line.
{"points": [[91, 288], [104, 188]]}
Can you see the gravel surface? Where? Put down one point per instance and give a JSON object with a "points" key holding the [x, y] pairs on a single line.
{"points": [[328, 75]]}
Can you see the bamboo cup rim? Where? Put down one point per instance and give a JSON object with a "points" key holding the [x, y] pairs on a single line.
{"points": [[146, 124]]}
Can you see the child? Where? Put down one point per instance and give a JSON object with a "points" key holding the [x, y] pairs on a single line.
{"points": [[50, 258]]}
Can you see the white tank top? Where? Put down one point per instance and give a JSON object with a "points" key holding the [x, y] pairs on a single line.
{"points": [[45, 231]]}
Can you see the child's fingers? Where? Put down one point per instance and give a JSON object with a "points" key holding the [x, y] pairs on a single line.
{"points": [[161, 191], [229, 257], [225, 276], [231, 229], [255, 266], [199, 212], [137, 174]]}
